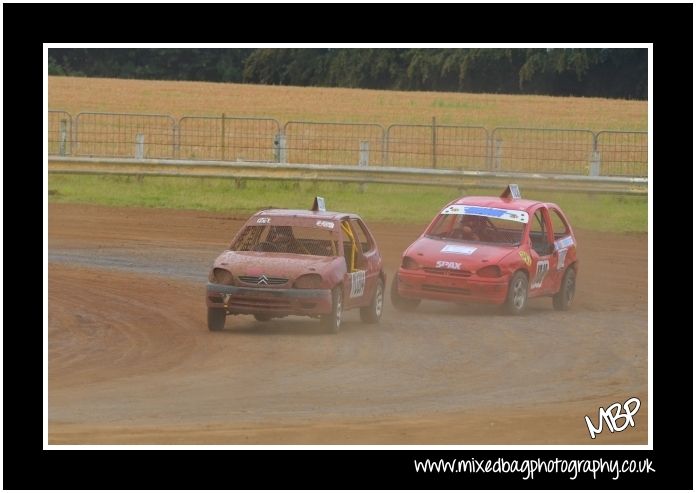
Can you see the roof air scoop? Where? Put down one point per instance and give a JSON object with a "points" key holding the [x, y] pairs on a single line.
{"points": [[511, 192], [319, 205]]}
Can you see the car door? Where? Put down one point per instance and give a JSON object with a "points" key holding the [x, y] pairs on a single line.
{"points": [[354, 280], [564, 245], [544, 262], [370, 261]]}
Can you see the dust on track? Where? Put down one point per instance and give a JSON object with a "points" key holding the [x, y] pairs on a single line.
{"points": [[131, 359]]}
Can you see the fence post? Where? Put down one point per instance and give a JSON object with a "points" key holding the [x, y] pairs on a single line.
{"points": [[364, 159], [434, 143], [222, 139], [281, 149], [175, 141], [497, 154], [489, 152], [75, 128], [139, 146], [595, 157], [63, 135], [595, 162], [276, 148]]}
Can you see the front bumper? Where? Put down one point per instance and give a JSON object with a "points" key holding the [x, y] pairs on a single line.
{"points": [[248, 301], [417, 284]]}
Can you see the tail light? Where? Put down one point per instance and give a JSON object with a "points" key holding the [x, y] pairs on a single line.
{"points": [[489, 271], [308, 281]]}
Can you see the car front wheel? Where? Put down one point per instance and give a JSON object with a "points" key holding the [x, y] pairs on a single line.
{"points": [[516, 300], [332, 321], [565, 295], [373, 312], [400, 303], [216, 319]]}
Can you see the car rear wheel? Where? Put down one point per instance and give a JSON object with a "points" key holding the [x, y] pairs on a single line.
{"points": [[332, 321], [400, 303], [262, 317], [516, 300], [565, 295], [216, 319], [373, 312]]}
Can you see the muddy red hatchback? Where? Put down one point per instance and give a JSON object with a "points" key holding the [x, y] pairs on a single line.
{"points": [[298, 262], [498, 250]]}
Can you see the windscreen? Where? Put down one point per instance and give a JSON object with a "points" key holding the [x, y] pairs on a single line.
{"points": [[477, 228], [302, 240]]}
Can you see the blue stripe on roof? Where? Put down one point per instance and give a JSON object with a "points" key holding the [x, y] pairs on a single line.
{"points": [[485, 211]]}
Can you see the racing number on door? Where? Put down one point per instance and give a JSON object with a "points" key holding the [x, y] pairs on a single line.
{"points": [[357, 283], [542, 268], [561, 258]]}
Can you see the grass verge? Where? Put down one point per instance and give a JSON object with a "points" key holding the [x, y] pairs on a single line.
{"points": [[374, 202]]}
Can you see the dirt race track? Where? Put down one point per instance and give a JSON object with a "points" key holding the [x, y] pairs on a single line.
{"points": [[131, 360]]}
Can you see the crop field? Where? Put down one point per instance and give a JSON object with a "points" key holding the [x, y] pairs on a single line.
{"points": [[75, 94]]}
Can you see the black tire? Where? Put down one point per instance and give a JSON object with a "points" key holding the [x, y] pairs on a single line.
{"points": [[262, 317], [563, 299], [373, 312], [517, 295], [332, 321], [405, 304], [216, 319]]}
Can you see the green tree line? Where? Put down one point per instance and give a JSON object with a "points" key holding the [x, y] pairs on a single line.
{"points": [[610, 72]]}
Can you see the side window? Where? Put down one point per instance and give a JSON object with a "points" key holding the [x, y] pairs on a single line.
{"points": [[361, 235], [560, 228], [537, 234], [350, 248], [537, 226]]}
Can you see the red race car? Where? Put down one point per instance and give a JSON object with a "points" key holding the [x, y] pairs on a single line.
{"points": [[297, 262], [499, 250]]}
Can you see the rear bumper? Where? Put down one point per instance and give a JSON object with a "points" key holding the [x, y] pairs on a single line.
{"points": [[249, 301], [415, 284]]}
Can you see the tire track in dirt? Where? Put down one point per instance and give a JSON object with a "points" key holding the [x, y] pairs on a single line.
{"points": [[131, 361]]}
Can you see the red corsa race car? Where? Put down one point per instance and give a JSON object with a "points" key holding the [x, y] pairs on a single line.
{"points": [[295, 262], [499, 250]]}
